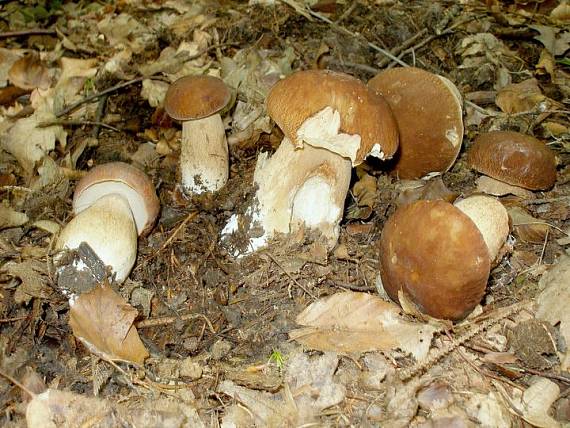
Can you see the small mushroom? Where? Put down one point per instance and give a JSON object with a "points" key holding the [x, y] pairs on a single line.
{"points": [[112, 204], [428, 109], [196, 101], [514, 158], [331, 121], [434, 253]]}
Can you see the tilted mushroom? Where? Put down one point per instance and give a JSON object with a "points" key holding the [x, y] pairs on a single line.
{"points": [[428, 110], [196, 101], [331, 121], [514, 158], [441, 256], [112, 204]]}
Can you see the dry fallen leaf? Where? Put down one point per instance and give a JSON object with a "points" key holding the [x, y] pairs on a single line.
{"points": [[535, 402], [528, 228], [29, 72], [494, 187], [557, 43], [359, 322], [103, 321], [520, 97], [11, 218], [553, 302], [64, 409], [34, 280]]}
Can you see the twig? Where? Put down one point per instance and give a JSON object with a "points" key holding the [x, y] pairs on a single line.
{"points": [[346, 31], [297, 283], [99, 116], [88, 98], [438, 354], [173, 235], [3, 320], [405, 45], [18, 384], [153, 322], [428, 39], [32, 32], [545, 200], [77, 123]]}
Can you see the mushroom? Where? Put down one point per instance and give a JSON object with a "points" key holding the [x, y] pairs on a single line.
{"points": [[196, 101], [434, 253], [428, 109], [331, 121], [514, 158], [112, 204]]}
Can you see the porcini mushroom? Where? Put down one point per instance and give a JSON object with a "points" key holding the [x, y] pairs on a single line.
{"points": [[428, 110], [331, 121], [434, 253], [514, 158], [112, 204], [196, 101]]}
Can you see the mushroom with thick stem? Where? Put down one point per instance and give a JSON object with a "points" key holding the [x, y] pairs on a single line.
{"points": [[515, 159], [112, 204], [331, 121], [204, 160], [440, 255], [428, 110]]}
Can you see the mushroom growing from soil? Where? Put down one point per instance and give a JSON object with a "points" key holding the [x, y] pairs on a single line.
{"points": [[428, 109], [331, 122], [196, 101], [112, 204], [514, 158], [439, 257]]}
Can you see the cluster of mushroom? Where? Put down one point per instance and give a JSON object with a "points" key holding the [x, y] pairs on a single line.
{"points": [[113, 205]]}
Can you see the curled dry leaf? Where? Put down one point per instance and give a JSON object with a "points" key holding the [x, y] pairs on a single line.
{"points": [[358, 322], [103, 321], [528, 228], [553, 302], [555, 41]]}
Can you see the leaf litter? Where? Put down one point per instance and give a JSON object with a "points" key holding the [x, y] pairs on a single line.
{"points": [[216, 328]]}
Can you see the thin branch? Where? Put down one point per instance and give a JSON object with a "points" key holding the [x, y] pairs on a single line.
{"points": [[77, 123], [31, 32]]}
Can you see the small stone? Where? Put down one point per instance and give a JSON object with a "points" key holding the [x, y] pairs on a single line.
{"points": [[220, 349], [435, 396], [191, 369]]}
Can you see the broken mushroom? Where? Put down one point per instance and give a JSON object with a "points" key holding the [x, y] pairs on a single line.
{"points": [[196, 101], [112, 204], [436, 255], [428, 109], [514, 158], [331, 121]]}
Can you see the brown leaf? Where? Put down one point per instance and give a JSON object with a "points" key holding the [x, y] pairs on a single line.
{"points": [[528, 228], [520, 97], [29, 72], [555, 41], [358, 322], [103, 321]]}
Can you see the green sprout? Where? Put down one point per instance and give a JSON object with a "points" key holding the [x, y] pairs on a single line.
{"points": [[278, 358], [89, 85]]}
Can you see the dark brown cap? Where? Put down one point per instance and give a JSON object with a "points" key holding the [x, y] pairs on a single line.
{"points": [[124, 179], [436, 255], [196, 97], [428, 110], [515, 158], [363, 111]]}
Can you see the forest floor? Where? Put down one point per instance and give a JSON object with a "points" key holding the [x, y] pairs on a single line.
{"points": [[215, 329]]}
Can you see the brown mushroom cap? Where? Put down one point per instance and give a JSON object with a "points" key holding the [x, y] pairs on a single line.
{"points": [[428, 110], [126, 180], [437, 256], [301, 95], [196, 97], [515, 158]]}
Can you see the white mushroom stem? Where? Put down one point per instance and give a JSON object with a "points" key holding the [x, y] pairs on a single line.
{"points": [[109, 229], [204, 155], [302, 188]]}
